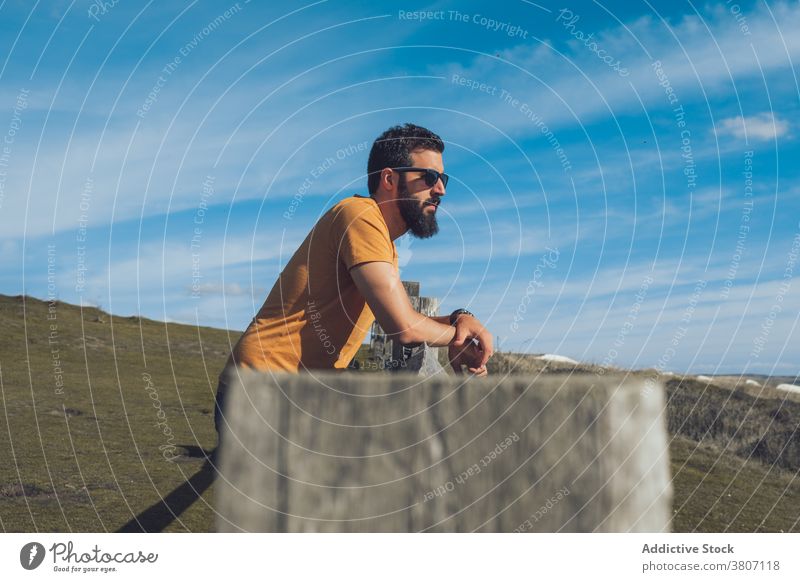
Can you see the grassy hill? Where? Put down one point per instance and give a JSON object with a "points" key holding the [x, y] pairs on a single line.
{"points": [[85, 456], [104, 416]]}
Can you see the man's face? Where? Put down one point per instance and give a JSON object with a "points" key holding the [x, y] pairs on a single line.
{"points": [[417, 201]]}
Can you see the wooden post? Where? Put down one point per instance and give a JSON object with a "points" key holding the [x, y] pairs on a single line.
{"points": [[346, 452], [421, 359]]}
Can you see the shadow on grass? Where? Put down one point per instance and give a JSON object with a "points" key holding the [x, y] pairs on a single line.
{"points": [[162, 513]]}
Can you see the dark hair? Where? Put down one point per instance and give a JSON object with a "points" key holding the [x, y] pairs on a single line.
{"points": [[393, 149]]}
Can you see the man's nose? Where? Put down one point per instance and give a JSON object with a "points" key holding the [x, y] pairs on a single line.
{"points": [[439, 188]]}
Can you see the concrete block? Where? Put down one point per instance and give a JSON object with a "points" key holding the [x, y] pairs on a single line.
{"points": [[349, 452]]}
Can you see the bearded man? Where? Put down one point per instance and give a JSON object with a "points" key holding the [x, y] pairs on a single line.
{"points": [[345, 274]]}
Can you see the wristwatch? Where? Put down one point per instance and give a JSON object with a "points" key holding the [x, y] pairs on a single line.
{"points": [[456, 313]]}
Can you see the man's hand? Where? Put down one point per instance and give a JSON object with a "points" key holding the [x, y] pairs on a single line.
{"points": [[469, 328], [468, 355]]}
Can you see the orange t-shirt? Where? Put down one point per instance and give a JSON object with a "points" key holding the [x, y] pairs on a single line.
{"points": [[315, 316]]}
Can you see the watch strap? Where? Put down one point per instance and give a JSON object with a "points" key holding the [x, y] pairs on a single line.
{"points": [[456, 313]]}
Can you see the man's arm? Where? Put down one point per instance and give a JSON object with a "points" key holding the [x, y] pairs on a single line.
{"points": [[380, 285]]}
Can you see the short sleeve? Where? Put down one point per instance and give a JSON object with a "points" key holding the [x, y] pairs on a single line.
{"points": [[359, 234]]}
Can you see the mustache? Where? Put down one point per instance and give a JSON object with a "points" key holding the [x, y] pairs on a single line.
{"points": [[434, 201]]}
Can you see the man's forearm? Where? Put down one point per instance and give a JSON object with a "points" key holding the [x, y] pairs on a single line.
{"points": [[430, 330]]}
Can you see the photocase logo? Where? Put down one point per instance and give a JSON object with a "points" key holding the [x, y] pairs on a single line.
{"points": [[31, 555]]}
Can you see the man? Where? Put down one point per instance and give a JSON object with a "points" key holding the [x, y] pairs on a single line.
{"points": [[345, 274]]}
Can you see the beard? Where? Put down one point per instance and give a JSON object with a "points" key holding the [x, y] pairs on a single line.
{"points": [[420, 224]]}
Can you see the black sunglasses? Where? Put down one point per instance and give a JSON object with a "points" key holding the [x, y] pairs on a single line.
{"points": [[430, 176]]}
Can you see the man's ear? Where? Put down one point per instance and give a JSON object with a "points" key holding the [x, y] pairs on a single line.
{"points": [[389, 176]]}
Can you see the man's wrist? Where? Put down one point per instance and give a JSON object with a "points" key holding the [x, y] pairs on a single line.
{"points": [[457, 313]]}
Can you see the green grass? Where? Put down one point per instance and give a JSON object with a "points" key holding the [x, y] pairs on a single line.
{"points": [[88, 459], [717, 491], [96, 467]]}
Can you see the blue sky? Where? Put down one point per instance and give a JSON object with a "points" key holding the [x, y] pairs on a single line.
{"points": [[623, 178]]}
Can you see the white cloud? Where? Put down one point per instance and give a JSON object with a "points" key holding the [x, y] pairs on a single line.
{"points": [[9, 251], [718, 330], [761, 127], [230, 289], [702, 56]]}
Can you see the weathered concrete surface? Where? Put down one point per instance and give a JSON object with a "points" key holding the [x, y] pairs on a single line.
{"points": [[368, 452]]}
